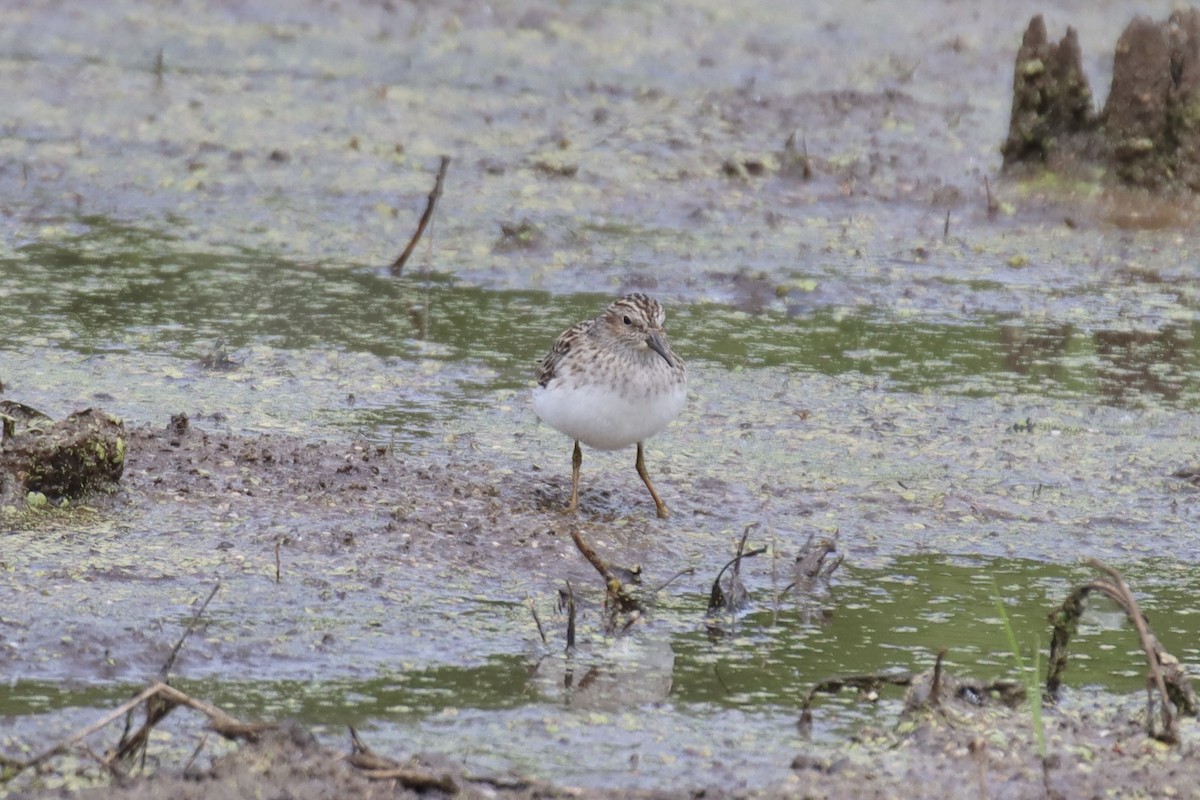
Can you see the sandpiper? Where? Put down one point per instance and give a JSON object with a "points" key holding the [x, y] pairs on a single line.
{"points": [[612, 382]]}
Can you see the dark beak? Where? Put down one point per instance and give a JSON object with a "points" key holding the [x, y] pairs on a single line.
{"points": [[656, 343]]}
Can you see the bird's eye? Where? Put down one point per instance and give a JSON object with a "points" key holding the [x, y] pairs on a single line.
{"points": [[627, 320]]}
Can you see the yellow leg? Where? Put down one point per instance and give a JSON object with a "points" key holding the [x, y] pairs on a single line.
{"points": [[663, 513], [576, 463]]}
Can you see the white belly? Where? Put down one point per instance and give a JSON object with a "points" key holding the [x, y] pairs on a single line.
{"points": [[605, 419]]}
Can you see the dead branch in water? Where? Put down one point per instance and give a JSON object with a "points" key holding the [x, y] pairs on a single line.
{"points": [[1164, 671], [617, 596], [164, 699], [434, 195], [734, 597]]}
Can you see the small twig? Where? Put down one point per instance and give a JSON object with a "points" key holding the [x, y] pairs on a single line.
{"points": [[593, 558], [992, 207], [570, 618], [673, 578], [398, 265], [792, 159], [159, 68], [221, 722], [741, 548], [195, 753], [165, 672], [537, 619], [946, 227], [364, 757], [935, 689], [278, 567]]}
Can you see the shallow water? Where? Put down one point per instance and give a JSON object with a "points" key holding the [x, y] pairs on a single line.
{"points": [[367, 352], [673, 695]]}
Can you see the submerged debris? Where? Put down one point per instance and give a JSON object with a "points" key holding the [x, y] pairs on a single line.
{"points": [[523, 235], [925, 692], [733, 597], [810, 566]]}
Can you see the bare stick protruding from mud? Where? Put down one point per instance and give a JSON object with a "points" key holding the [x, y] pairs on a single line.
{"points": [[616, 594], [398, 265], [1165, 675], [935, 691], [797, 161], [718, 600], [992, 206], [278, 564], [159, 69], [169, 664], [537, 620], [570, 618]]}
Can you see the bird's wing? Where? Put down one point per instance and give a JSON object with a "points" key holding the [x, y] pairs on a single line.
{"points": [[549, 368]]}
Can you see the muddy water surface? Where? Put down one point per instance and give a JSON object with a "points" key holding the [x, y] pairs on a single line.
{"points": [[968, 412]]}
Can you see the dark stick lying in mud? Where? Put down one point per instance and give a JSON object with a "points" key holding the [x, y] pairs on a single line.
{"points": [[423, 779], [380, 768], [1165, 673], [398, 265]]}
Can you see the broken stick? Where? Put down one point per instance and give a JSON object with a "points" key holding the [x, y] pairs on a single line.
{"points": [[398, 265]]}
